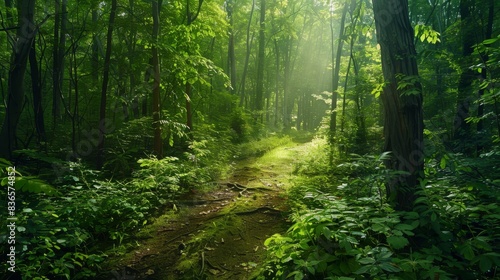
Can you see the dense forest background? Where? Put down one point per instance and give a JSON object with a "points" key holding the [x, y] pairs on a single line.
{"points": [[111, 109]]}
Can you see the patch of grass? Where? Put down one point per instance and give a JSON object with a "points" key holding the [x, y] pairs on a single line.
{"points": [[260, 147]]}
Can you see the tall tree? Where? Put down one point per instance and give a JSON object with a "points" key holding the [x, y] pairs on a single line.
{"points": [[36, 87], [464, 98], [259, 91], [485, 58], [402, 99], [15, 93], [61, 18], [191, 17], [336, 70], [156, 81], [230, 49], [105, 79], [247, 56], [95, 48]]}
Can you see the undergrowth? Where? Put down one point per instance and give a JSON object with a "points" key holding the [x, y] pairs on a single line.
{"points": [[68, 226], [261, 146], [344, 229]]}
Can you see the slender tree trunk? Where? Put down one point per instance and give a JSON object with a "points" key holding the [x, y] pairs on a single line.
{"points": [[95, 49], [277, 87], [158, 145], [464, 99], [74, 78], [131, 45], [484, 58], [147, 76], [36, 86], [231, 55], [247, 57], [344, 96], [287, 114], [354, 20], [56, 66], [15, 93], [335, 73], [62, 51], [102, 109], [191, 17], [259, 92], [403, 128]]}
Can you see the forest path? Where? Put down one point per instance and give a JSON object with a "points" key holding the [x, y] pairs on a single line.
{"points": [[218, 234]]}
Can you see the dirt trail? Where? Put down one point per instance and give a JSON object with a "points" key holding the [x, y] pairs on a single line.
{"points": [[218, 234]]}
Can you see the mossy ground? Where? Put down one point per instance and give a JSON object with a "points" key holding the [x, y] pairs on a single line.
{"points": [[218, 234]]}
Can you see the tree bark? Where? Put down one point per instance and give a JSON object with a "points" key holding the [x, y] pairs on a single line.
{"points": [[484, 58], [335, 73], [403, 127], [56, 66], [15, 92], [158, 146], [231, 55], [277, 87], [259, 92], [102, 109], [191, 17], [247, 56], [464, 99], [95, 49], [36, 86]]}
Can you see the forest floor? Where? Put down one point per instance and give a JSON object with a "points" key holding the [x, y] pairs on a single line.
{"points": [[219, 233]]}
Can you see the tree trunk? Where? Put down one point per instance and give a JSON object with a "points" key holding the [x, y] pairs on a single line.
{"points": [[464, 98], [95, 49], [36, 86], [15, 92], [335, 73], [259, 92], [484, 58], [277, 88], [247, 56], [56, 66], [287, 114], [158, 146], [191, 17], [231, 55], [403, 127], [131, 46], [102, 109]]}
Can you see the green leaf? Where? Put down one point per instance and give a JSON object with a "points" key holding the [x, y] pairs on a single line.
{"points": [[389, 267], [363, 269], [367, 261], [485, 263], [397, 242], [442, 163], [433, 216], [467, 251], [490, 41]]}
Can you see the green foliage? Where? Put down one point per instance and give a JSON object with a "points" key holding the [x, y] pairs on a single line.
{"points": [[259, 147], [349, 232], [57, 234], [337, 239], [27, 184], [426, 33], [408, 85]]}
